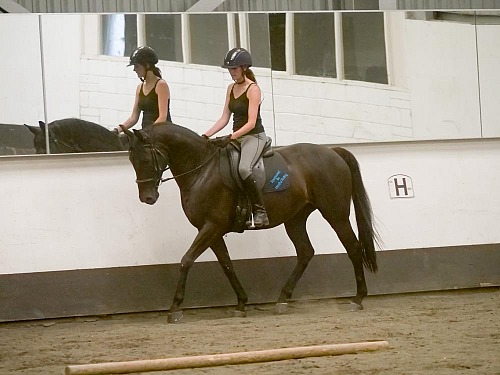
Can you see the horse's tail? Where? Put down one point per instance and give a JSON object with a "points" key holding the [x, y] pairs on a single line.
{"points": [[368, 235]]}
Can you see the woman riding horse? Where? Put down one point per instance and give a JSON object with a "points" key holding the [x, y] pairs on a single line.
{"points": [[243, 98], [152, 96]]}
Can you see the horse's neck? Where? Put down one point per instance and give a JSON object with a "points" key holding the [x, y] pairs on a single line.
{"points": [[187, 159]]}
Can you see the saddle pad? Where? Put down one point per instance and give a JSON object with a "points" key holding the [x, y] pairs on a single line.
{"points": [[276, 170], [277, 177]]}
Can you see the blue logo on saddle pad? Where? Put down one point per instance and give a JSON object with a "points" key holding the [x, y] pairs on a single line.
{"points": [[278, 179]]}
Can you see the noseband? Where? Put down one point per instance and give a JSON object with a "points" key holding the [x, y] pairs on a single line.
{"points": [[155, 153]]}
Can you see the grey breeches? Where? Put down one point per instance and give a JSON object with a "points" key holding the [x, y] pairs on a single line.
{"points": [[251, 148]]}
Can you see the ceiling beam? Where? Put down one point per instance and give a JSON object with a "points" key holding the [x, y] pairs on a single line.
{"points": [[205, 5], [10, 6]]}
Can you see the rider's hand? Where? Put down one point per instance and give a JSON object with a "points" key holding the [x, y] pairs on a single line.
{"points": [[221, 141], [115, 130]]}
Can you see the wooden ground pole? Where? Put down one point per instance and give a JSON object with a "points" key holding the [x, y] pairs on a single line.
{"points": [[224, 359]]}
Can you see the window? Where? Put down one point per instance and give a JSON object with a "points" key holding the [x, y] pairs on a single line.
{"points": [[119, 36], [209, 38], [315, 42], [277, 41], [164, 35], [364, 47], [259, 40], [314, 36]]}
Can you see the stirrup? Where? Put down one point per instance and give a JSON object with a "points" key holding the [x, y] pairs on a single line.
{"points": [[251, 223]]}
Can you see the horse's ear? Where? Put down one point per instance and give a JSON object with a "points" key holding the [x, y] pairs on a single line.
{"points": [[33, 129], [126, 131], [42, 125], [124, 141], [141, 135]]}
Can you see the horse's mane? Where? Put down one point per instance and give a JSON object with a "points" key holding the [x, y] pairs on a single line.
{"points": [[88, 136], [76, 129], [175, 130]]}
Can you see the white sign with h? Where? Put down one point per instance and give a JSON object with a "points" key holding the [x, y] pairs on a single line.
{"points": [[401, 186]]}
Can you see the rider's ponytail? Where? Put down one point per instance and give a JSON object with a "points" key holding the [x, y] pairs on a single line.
{"points": [[249, 74], [156, 71]]}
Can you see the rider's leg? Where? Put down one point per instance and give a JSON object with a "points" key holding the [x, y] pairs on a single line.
{"points": [[251, 149], [260, 218]]}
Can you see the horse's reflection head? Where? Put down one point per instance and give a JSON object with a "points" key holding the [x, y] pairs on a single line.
{"points": [[39, 141], [146, 162]]}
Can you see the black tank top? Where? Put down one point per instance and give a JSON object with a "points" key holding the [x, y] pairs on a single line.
{"points": [[148, 104], [239, 108]]}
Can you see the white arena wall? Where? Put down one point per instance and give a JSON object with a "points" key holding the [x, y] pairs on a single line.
{"points": [[64, 216], [67, 212]]}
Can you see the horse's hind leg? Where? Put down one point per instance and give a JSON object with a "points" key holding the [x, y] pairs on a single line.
{"points": [[296, 230], [220, 250], [354, 251]]}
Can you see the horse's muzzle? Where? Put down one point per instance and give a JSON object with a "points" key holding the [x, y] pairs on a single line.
{"points": [[149, 197]]}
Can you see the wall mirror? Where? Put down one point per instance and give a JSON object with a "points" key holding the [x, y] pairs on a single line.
{"points": [[326, 77], [346, 77], [82, 72]]}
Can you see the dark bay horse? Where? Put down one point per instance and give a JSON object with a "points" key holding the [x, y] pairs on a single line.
{"points": [[321, 178], [72, 135]]}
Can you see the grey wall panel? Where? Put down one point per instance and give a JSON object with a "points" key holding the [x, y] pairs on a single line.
{"points": [[95, 6], [68, 6], [447, 4], [82, 6], [151, 288], [164, 6], [124, 6], [151, 5], [99, 6], [110, 6]]}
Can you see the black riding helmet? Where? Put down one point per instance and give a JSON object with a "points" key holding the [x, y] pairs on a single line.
{"points": [[237, 57], [143, 55]]}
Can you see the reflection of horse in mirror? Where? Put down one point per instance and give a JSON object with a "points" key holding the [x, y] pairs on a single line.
{"points": [[15, 140], [73, 135], [320, 178]]}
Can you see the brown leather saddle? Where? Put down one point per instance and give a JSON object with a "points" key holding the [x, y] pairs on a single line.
{"points": [[270, 172]]}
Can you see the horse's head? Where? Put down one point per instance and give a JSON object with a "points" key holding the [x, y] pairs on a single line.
{"points": [[148, 162], [39, 140], [56, 145]]}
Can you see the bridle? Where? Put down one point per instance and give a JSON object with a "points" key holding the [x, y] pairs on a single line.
{"points": [[57, 145], [155, 154], [57, 142], [53, 140]]}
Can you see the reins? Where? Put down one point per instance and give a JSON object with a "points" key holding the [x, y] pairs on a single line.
{"points": [[185, 173], [154, 154], [57, 142]]}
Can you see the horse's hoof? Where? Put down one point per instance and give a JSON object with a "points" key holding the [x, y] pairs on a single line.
{"points": [[238, 314], [355, 306], [281, 308], [175, 317]]}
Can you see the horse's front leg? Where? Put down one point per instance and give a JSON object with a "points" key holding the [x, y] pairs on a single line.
{"points": [[200, 244], [220, 250]]}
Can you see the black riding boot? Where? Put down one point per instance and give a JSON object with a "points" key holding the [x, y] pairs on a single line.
{"points": [[260, 218]]}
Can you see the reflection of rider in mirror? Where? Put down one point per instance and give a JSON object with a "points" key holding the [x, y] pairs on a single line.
{"points": [[152, 96], [243, 98]]}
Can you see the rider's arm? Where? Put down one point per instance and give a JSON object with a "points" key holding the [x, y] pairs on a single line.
{"points": [[254, 97], [134, 117], [225, 117], [163, 92]]}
